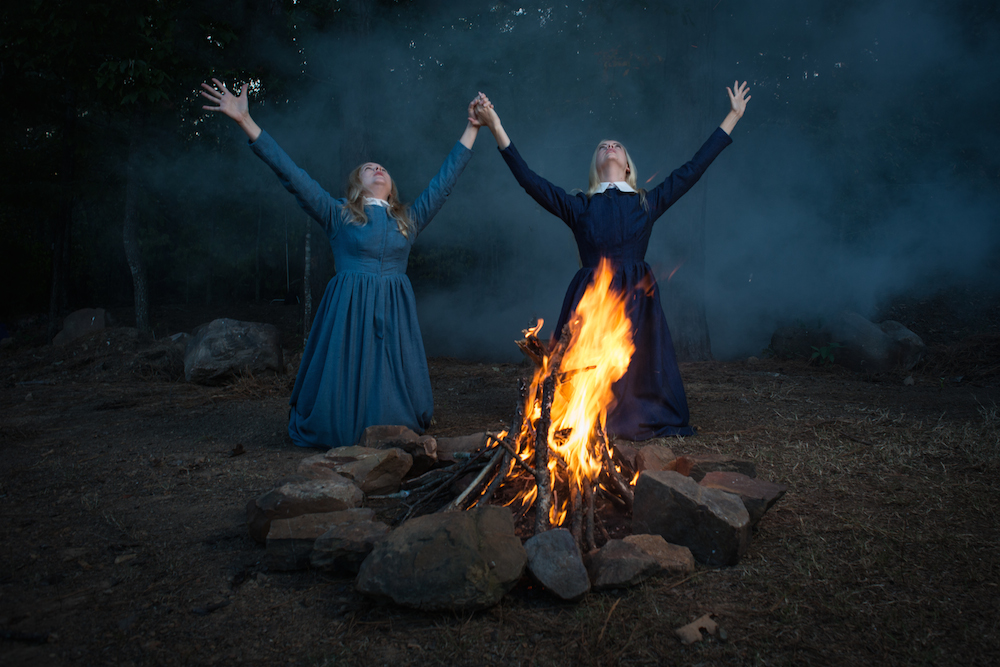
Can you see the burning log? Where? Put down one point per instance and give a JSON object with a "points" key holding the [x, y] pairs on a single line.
{"points": [[557, 437]]}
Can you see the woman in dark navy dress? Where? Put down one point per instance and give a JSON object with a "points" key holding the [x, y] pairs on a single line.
{"points": [[364, 362], [613, 220]]}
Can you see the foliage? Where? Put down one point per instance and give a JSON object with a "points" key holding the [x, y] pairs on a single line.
{"points": [[824, 355]]}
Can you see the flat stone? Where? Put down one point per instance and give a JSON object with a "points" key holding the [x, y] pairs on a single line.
{"points": [[423, 448], [554, 561], [80, 323], [619, 564], [300, 497], [290, 541], [713, 524], [375, 471], [757, 495], [344, 547], [697, 466], [673, 558], [446, 561], [654, 457], [225, 348]]}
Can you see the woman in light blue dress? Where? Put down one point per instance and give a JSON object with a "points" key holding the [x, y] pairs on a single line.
{"points": [[364, 362]]}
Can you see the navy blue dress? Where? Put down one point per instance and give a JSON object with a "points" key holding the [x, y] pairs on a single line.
{"points": [[364, 363], [650, 399]]}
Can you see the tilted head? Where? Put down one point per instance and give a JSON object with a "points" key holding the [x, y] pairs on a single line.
{"points": [[372, 180], [611, 162]]}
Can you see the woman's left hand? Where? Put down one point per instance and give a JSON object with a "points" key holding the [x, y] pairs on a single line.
{"points": [[739, 95]]}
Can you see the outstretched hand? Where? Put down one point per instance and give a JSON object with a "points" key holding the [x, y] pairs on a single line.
{"points": [[235, 106], [739, 95]]}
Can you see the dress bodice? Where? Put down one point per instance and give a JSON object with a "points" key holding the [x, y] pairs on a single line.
{"points": [[377, 246]]}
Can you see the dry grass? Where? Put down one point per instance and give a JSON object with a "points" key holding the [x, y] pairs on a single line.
{"points": [[884, 550]]}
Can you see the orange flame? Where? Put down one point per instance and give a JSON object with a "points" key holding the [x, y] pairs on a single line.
{"points": [[597, 355], [676, 268]]}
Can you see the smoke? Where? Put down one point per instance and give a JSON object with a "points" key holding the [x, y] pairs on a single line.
{"points": [[865, 168]]}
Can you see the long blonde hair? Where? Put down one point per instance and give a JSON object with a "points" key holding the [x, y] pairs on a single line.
{"points": [[354, 212], [630, 177]]}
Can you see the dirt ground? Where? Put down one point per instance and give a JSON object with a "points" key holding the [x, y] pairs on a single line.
{"points": [[122, 541]]}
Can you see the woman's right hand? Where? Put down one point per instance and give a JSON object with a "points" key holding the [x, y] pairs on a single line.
{"points": [[236, 107]]}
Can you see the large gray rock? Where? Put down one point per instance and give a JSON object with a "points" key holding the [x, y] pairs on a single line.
{"points": [[619, 564], [756, 494], [226, 348], [375, 471], [290, 542], [713, 524], [554, 561], [300, 497], [873, 348], [80, 323], [345, 546], [452, 560]]}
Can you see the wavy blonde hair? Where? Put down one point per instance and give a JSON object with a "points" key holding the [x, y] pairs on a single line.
{"points": [[354, 212], [630, 177]]}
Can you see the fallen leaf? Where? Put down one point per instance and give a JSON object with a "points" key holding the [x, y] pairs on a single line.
{"points": [[691, 632]]}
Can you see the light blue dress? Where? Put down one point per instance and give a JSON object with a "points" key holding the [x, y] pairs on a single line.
{"points": [[364, 363]]}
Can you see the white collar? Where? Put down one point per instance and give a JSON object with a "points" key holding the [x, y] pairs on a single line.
{"points": [[371, 201], [621, 185]]}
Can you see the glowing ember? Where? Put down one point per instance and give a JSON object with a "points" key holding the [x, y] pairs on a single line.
{"points": [[585, 363]]}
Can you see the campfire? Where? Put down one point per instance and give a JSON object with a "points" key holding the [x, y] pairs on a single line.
{"points": [[556, 455]]}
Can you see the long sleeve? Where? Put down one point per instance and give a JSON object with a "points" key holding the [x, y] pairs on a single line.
{"points": [[551, 197], [316, 201], [683, 178], [434, 195]]}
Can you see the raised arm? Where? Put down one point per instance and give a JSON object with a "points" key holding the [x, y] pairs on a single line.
{"points": [[430, 201], [739, 95], [311, 196], [236, 107], [551, 197]]}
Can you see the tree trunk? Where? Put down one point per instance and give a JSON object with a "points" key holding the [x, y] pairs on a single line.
{"points": [[256, 291], [130, 231], [307, 297], [63, 224]]}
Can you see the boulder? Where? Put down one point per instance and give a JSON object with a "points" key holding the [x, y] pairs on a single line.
{"points": [[619, 564], [874, 348], [375, 471], [713, 524], [300, 497], [756, 494], [447, 561], [224, 348], [80, 323], [554, 561], [345, 546], [290, 541], [696, 466], [673, 558]]}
